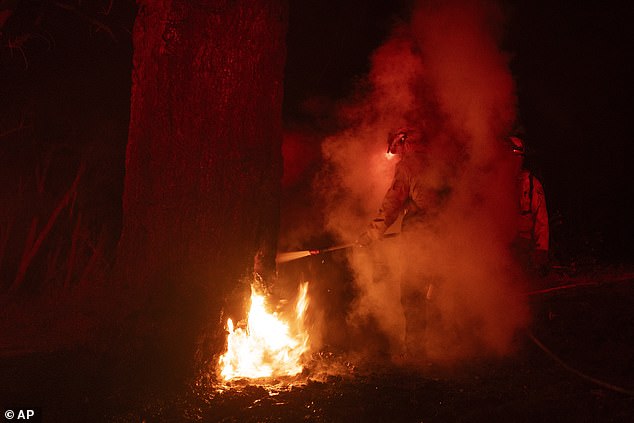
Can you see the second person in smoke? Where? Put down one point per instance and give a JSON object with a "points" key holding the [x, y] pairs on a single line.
{"points": [[419, 191], [531, 244]]}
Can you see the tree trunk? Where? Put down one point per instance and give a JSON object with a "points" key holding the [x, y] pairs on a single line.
{"points": [[203, 166]]}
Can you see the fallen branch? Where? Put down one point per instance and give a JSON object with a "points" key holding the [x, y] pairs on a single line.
{"points": [[31, 250]]}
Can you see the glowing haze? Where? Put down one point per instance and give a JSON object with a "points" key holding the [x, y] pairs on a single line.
{"points": [[442, 72]]}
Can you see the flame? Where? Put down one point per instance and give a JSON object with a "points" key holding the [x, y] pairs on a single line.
{"points": [[268, 347]]}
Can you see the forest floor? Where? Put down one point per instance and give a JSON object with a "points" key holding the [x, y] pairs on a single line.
{"points": [[576, 365]]}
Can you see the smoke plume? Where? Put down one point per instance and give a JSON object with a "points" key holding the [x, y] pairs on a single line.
{"points": [[442, 72]]}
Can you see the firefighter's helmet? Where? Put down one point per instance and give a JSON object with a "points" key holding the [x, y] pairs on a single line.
{"points": [[396, 139], [517, 146]]}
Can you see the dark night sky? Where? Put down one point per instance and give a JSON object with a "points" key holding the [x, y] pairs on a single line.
{"points": [[570, 64]]}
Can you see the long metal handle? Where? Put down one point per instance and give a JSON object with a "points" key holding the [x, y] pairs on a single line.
{"points": [[294, 255]]}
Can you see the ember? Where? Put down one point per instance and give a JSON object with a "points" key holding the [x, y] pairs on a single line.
{"points": [[268, 346]]}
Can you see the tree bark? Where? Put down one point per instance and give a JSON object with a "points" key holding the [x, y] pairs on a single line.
{"points": [[203, 165]]}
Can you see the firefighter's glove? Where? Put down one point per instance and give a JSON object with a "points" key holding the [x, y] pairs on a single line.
{"points": [[368, 237]]}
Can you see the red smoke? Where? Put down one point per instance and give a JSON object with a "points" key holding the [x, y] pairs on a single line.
{"points": [[442, 72]]}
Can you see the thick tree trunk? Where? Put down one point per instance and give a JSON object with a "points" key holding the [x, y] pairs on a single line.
{"points": [[203, 165]]}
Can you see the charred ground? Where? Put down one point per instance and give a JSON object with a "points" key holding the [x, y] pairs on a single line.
{"points": [[589, 326]]}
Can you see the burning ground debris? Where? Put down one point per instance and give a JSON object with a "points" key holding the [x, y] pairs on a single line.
{"points": [[528, 386], [266, 345], [590, 327]]}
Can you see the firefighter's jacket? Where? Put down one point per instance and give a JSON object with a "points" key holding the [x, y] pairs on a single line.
{"points": [[533, 217], [417, 189]]}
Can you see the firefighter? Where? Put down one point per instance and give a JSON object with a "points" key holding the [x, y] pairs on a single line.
{"points": [[531, 244], [418, 191]]}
